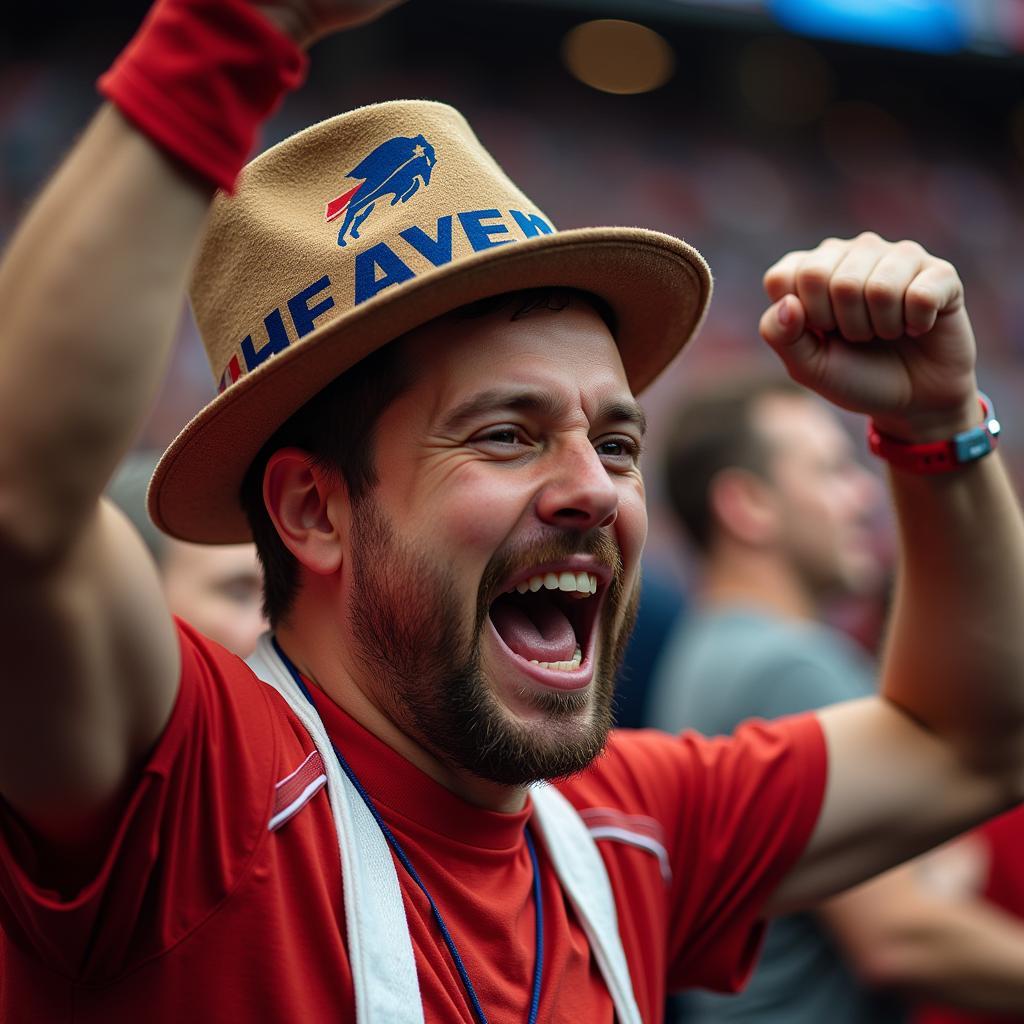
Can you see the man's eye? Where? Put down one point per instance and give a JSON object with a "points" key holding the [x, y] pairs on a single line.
{"points": [[619, 445], [619, 449], [501, 436]]}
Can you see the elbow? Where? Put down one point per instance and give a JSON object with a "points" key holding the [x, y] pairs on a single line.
{"points": [[1000, 768], [31, 543]]}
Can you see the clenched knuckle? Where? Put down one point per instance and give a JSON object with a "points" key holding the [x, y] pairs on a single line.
{"points": [[843, 287], [814, 277], [831, 242], [908, 247], [880, 292], [921, 295]]}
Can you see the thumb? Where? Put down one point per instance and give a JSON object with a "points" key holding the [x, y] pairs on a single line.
{"points": [[783, 327], [783, 322]]}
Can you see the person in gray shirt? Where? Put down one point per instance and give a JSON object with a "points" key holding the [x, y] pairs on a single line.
{"points": [[764, 480]]}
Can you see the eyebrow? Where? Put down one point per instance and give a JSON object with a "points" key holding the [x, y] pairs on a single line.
{"points": [[536, 401]]}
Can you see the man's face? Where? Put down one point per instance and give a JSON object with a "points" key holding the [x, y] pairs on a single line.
{"points": [[218, 589], [827, 501], [494, 567]]}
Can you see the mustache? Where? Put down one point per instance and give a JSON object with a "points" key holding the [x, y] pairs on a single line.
{"points": [[553, 547]]}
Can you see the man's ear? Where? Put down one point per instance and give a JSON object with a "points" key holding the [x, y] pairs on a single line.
{"points": [[309, 509], [744, 507]]}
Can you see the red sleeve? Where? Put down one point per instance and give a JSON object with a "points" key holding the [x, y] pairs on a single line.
{"points": [[190, 827], [734, 815], [749, 805]]}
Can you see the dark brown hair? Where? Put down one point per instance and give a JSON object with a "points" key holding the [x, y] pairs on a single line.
{"points": [[336, 427], [712, 431]]}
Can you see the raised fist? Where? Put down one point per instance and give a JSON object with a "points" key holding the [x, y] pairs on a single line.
{"points": [[880, 328]]}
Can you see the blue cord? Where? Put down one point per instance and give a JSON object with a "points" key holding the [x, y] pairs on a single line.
{"points": [[538, 963], [538, 969]]}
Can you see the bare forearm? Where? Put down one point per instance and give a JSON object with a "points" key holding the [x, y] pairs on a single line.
{"points": [[92, 286], [969, 955], [956, 649], [881, 328]]}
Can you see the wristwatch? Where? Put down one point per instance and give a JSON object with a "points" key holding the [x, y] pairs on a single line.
{"points": [[932, 457]]}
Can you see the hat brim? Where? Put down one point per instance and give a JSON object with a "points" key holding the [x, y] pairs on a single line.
{"points": [[657, 286]]}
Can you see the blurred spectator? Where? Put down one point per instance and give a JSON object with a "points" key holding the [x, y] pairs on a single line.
{"points": [[661, 605], [764, 480], [997, 875], [217, 588]]}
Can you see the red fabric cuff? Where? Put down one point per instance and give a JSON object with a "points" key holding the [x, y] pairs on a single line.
{"points": [[200, 77]]}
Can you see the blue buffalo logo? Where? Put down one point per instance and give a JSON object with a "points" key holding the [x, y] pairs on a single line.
{"points": [[395, 168]]}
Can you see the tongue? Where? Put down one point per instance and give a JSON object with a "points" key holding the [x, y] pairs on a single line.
{"points": [[540, 633]]}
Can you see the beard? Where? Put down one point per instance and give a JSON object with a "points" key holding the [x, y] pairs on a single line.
{"points": [[411, 637]]}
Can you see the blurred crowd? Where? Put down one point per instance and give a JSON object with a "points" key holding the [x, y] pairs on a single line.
{"points": [[761, 143]]}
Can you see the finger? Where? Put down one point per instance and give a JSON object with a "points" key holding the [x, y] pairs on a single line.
{"points": [[783, 326], [846, 289], [780, 278], [886, 289], [812, 282], [936, 289]]}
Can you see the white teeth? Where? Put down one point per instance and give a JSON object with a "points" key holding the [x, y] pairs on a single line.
{"points": [[561, 666], [581, 583]]}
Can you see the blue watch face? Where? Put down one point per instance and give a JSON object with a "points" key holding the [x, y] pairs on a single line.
{"points": [[972, 444]]}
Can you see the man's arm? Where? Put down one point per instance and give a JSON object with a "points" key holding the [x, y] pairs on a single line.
{"points": [[898, 935], [881, 328], [92, 287]]}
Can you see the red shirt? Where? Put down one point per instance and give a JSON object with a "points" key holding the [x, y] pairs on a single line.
{"points": [[1004, 887], [202, 913]]}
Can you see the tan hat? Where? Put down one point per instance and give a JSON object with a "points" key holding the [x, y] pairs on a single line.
{"points": [[347, 235]]}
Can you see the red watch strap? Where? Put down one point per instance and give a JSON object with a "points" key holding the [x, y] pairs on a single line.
{"points": [[933, 457]]}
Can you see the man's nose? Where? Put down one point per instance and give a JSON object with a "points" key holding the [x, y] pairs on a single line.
{"points": [[579, 493]]}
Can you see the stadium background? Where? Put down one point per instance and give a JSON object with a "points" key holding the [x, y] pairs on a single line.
{"points": [[778, 123]]}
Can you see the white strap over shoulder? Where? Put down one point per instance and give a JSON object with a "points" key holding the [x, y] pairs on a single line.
{"points": [[387, 989], [584, 878], [380, 948]]}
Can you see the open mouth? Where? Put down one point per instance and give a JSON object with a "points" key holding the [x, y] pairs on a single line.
{"points": [[545, 620]]}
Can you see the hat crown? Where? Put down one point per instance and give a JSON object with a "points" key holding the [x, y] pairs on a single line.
{"points": [[352, 233], [336, 215]]}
